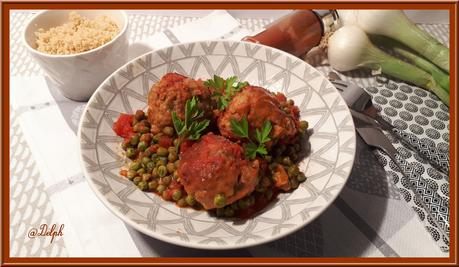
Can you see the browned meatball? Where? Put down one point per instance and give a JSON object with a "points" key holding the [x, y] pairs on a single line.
{"points": [[259, 105], [170, 94], [214, 166]]}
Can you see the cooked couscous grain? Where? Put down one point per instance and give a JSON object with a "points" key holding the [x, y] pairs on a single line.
{"points": [[80, 34]]}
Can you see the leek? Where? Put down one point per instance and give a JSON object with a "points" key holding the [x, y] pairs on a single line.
{"points": [[349, 48], [396, 25], [439, 75]]}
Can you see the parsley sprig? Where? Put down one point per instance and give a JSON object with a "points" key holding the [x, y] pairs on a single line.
{"points": [[224, 89], [241, 129], [192, 127]]}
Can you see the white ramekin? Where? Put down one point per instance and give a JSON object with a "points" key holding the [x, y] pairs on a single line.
{"points": [[77, 76]]}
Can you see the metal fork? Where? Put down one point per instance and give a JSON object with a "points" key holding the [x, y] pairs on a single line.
{"points": [[359, 100]]}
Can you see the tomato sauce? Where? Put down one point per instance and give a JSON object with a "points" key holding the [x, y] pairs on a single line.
{"points": [[261, 201]]}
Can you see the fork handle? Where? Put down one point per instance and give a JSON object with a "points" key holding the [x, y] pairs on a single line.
{"points": [[432, 154]]}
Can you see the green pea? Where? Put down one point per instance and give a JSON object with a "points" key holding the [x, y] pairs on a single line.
{"points": [[301, 177], [294, 183], [165, 195], [156, 137], [190, 200], [268, 158], [142, 146], [169, 131], [150, 166], [137, 180], [146, 160], [260, 188], [161, 161], [291, 102], [131, 174], [166, 180], [142, 185], [146, 137], [135, 140], [220, 212], [172, 156], [161, 188], [273, 166], [141, 171], [176, 142], [229, 212], [304, 125], [162, 171], [135, 166], [287, 161], [175, 175], [153, 185], [136, 127], [243, 204], [269, 194], [154, 173], [293, 170], [130, 152], [144, 129], [162, 152], [170, 167], [177, 163], [146, 177], [125, 145], [250, 200], [220, 200], [182, 202], [297, 147], [235, 206], [177, 194]]}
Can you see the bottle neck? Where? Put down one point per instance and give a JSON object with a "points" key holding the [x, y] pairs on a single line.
{"points": [[329, 20]]}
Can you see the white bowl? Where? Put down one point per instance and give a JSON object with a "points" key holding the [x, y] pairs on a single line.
{"points": [[327, 167], [77, 76]]}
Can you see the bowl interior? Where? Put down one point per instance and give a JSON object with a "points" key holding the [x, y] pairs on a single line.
{"points": [[327, 167], [52, 18]]}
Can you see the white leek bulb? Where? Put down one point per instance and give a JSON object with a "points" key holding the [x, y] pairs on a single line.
{"points": [[349, 48], [396, 25]]}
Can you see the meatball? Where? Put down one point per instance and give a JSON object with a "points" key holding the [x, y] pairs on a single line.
{"points": [[260, 105], [213, 166], [170, 94]]}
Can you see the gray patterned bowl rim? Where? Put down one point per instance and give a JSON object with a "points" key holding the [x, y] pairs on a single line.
{"points": [[178, 242]]}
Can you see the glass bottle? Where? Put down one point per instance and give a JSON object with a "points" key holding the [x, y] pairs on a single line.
{"points": [[298, 32]]}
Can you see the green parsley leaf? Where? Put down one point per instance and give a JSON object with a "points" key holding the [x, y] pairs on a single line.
{"points": [[240, 128], [224, 89], [179, 125], [219, 82], [196, 128], [229, 85], [190, 128], [262, 150], [250, 150]]}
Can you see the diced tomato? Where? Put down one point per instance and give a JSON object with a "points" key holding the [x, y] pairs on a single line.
{"points": [[281, 178], [123, 173], [167, 195], [185, 145], [123, 126], [165, 141], [281, 97], [153, 148], [174, 184]]}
